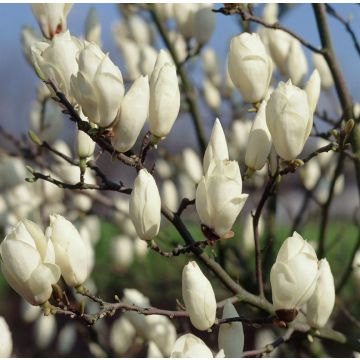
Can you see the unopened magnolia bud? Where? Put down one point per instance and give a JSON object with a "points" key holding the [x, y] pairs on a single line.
{"points": [[130, 54], [122, 334], [211, 65], [6, 343], [139, 30], [198, 296], [231, 335], [132, 115], [289, 119], [248, 62], [92, 27], [169, 195], [44, 331], [84, 145], [184, 18], [312, 88], [71, 251], [219, 197], [51, 17], [98, 86], [66, 339], [296, 63], [293, 276], [217, 148], [279, 43], [325, 74], [192, 164], [212, 96], [145, 206], [259, 142], [190, 346], [147, 59], [164, 98], [122, 252], [162, 332], [321, 303], [270, 13], [204, 24]]}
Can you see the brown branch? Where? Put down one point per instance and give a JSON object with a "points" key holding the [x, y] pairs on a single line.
{"points": [[256, 218], [270, 347], [246, 16], [180, 249], [331, 11]]}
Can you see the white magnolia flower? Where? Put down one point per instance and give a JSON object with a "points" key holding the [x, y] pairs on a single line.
{"points": [[84, 145], [211, 65], [57, 60], [198, 296], [321, 303], [293, 276], [138, 321], [139, 30], [6, 343], [217, 148], [164, 98], [122, 334], [66, 339], [296, 63], [92, 27], [190, 346], [289, 119], [219, 197], [51, 17], [122, 252], [145, 206], [98, 86], [147, 60], [270, 13], [28, 262], [130, 54], [162, 332], [192, 164], [204, 23], [44, 331], [259, 141], [12, 171], [212, 95], [184, 18], [231, 335], [169, 195], [313, 88], [250, 67], [322, 67], [132, 115], [70, 249]]}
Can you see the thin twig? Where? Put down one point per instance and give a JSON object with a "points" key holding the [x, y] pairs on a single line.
{"points": [[246, 16], [331, 11]]}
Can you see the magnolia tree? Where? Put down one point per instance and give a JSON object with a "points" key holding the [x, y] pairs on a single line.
{"points": [[227, 283]]}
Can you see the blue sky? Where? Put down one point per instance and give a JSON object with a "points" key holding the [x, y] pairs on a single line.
{"points": [[19, 82]]}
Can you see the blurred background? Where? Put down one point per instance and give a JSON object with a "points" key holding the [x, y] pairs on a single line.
{"points": [[157, 277]]}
